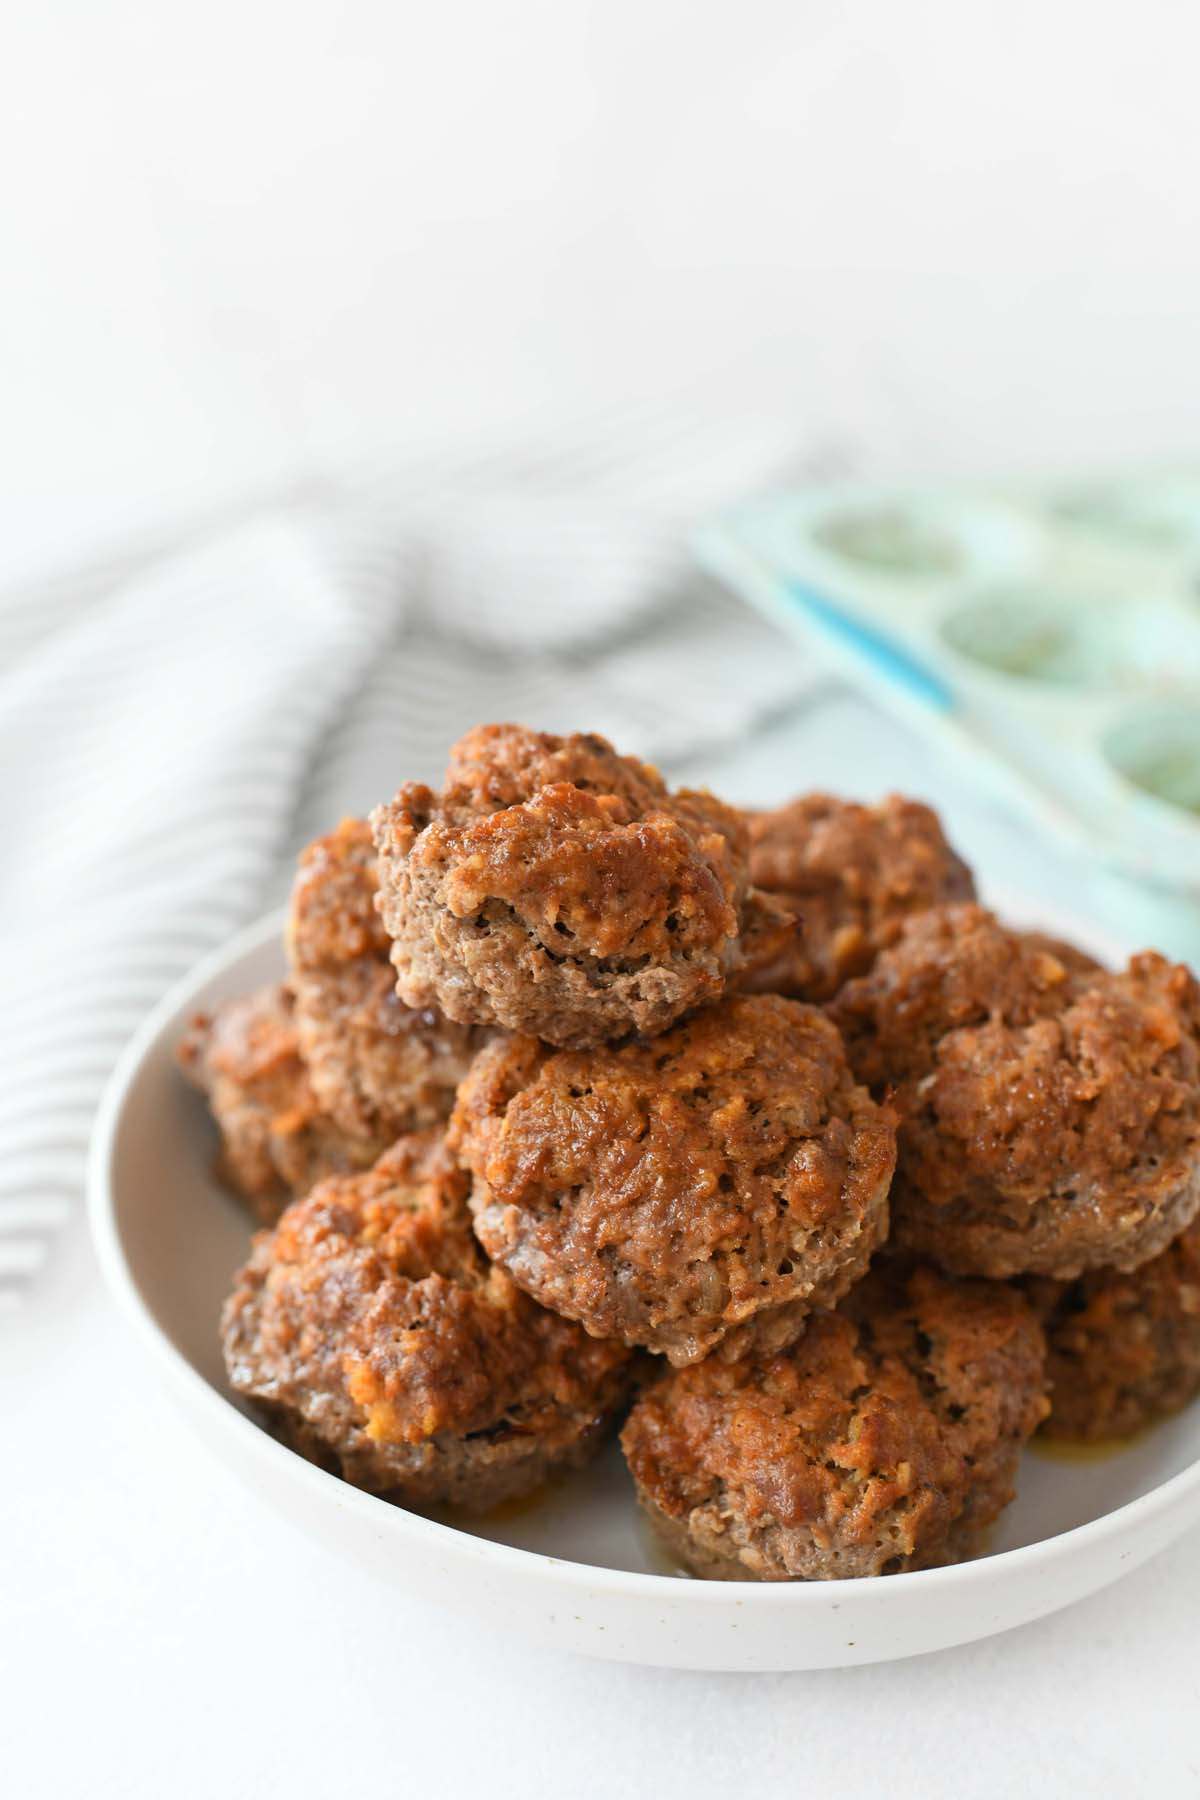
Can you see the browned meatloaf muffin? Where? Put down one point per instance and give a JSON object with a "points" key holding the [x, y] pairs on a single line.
{"points": [[275, 1139], [851, 874], [376, 1065], [373, 1330], [559, 889], [1049, 1110], [708, 1187], [886, 1439], [1124, 1349]]}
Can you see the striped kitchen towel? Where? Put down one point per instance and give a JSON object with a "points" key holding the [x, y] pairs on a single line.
{"points": [[173, 727]]}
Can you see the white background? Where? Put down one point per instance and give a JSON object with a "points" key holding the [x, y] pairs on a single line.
{"points": [[245, 240]]}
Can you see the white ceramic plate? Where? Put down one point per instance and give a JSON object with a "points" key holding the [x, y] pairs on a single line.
{"points": [[575, 1568]]}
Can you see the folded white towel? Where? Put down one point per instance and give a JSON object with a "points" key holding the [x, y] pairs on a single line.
{"points": [[170, 734]]}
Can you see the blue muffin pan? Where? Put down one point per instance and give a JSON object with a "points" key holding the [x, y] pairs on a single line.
{"points": [[1049, 640]]}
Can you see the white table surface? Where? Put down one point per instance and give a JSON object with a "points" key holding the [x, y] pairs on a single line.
{"points": [[163, 1634]]}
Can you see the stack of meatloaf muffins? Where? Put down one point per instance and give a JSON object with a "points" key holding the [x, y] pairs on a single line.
{"points": [[587, 1099]]}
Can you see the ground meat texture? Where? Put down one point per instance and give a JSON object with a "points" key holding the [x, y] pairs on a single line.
{"points": [[852, 875], [886, 1439], [373, 1331], [377, 1066], [1049, 1110], [1124, 1349], [559, 889], [707, 1188], [951, 966], [275, 1139]]}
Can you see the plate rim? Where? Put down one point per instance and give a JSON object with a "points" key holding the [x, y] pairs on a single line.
{"points": [[785, 1596]]}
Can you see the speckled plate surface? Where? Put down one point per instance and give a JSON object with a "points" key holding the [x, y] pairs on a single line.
{"points": [[574, 1568]]}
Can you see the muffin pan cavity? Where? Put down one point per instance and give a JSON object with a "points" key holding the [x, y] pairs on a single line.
{"points": [[901, 541], [1152, 517], [1158, 752], [1074, 640], [891, 540], [1023, 636]]}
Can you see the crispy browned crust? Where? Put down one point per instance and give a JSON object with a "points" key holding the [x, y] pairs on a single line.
{"points": [[1124, 1347], [886, 1439], [951, 967], [1049, 1110], [707, 1187], [372, 1328], [377, 1066], [852, 875], [557, 888], [275, 1139]]}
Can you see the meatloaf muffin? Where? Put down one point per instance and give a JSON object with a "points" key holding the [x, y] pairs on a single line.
{"points": [[378, 1067], [886, 1439], [373, 1331], [275, 1139], [708, 1187], [852, 875], [559, 889], [1124, 1349], [1049, 1110]]}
